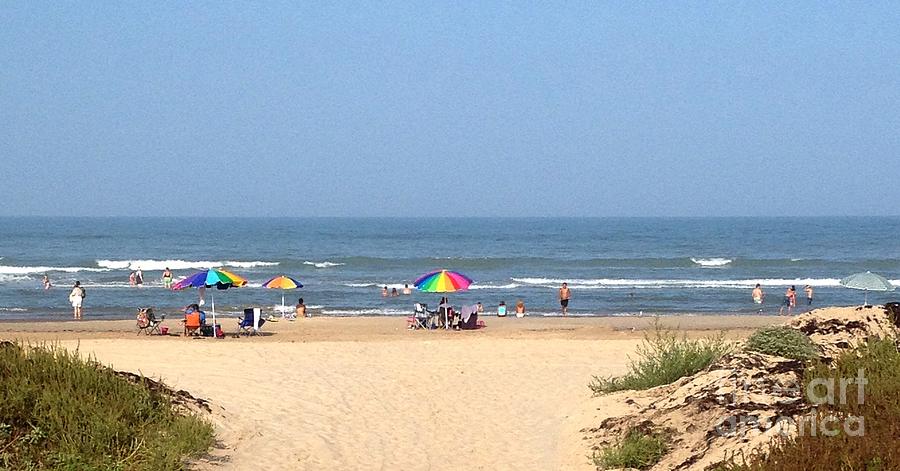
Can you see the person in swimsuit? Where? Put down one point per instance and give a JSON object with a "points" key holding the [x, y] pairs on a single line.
{"points": [[758, 295], [520, 308], [46, 282], [564, 296], [139, 277], [167, 278], [406, 290], [501, 309], [76, 297], [809, 295]]}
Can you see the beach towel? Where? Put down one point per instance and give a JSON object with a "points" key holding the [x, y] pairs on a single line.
{"points": [[466, 311]]}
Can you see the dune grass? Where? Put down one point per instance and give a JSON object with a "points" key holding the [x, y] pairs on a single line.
{"points": [[663, 358], [59, 411], [782, 341], [638, 450], [875, 449]]}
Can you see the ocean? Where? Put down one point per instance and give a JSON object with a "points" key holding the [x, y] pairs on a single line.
{"points": [[614, 266]]}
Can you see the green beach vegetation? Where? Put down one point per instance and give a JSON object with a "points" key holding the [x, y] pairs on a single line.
{"points": [[662, 358], [638, 450], [59, 411], [872, 448], [782, 341]]}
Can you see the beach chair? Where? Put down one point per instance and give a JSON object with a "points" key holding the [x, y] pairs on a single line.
{"points": [[153, 322], [251, 321], [192, 323], [419, 319]]}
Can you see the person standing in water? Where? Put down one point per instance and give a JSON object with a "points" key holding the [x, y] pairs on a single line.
{"points": [[564, 296], [809, 295], [758, 296], [167, 278], [46, 282], [139, 277], [406, 290], [76, 297]]}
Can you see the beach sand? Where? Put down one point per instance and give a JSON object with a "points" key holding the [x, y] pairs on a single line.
{"points": [[365, 393]]}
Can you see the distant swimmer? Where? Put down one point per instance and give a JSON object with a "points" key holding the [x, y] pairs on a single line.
{"points": [[132, 279], [46, 282], [758, 295], [406, 290], [809, 295], [384, 292], [564, 296], [139, 277], [167, 278], [394, 292]]}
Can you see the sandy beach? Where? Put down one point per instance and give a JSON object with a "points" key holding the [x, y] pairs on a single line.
{"points": [[365, 393]]}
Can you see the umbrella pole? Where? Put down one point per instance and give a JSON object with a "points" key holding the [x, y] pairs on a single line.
{"points": [[282, 304], [212, 300], [866, 298]]}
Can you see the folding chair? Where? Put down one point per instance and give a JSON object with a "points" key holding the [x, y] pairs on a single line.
{"points": [[419, 319], [251, 321], [192, 323], [154, 322]]}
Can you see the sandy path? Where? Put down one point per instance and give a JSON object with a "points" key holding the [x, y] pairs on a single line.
{"points": [[429, 404]]}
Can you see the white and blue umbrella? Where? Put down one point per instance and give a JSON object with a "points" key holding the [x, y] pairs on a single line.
{"points": [[867, 281]]}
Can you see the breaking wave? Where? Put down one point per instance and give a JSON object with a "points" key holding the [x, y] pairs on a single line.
{"points": [[614, 283], [711, 262], [325, 264], [160, 265]]}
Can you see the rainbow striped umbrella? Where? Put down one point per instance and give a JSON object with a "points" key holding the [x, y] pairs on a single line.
{"points": [[282, 282], [221, 279], [442, 281]]}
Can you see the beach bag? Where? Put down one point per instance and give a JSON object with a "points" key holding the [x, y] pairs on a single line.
{"points": [[219, 333], [206, 331]]}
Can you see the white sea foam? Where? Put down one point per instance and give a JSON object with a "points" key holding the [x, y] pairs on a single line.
{"points": [[13, 278], [12, 309], [399, 286], [711, 262], [325, 264], [493, 286], [616, 283], [160, 265], [10, 270]]}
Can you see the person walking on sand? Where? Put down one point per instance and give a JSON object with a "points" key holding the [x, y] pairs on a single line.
{"points": [[758, 296], [167, 278], [46, 282], [564, 296], [809, 295], [76, 297]]}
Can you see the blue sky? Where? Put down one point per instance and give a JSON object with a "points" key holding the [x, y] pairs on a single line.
{"points": [[450, 108]]}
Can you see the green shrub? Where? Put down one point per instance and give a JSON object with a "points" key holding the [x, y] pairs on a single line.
{"points": [[638, 450], [876, 449], [58, 411], [663, 358], [782, 341]]}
